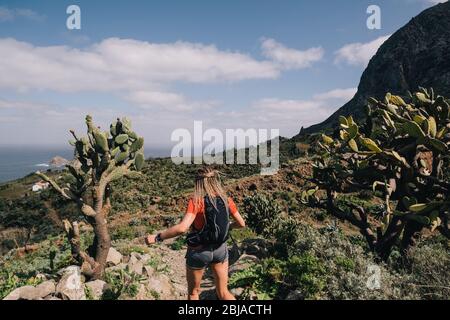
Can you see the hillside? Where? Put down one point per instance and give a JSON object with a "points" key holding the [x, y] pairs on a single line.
{"points": [[312, 229], [416, 55], [331, 264]]}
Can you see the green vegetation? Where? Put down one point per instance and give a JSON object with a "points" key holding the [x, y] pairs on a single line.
{"points": [[402, 155], [376, 197], [274, 278], [179, 243], [122, 285], [17, 270], [309, 263]]}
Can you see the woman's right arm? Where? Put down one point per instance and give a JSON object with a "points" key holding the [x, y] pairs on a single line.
{"points": [[176, 230]]}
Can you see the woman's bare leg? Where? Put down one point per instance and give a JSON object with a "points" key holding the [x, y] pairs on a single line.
{"points": [[220, 271], [194, 279]]}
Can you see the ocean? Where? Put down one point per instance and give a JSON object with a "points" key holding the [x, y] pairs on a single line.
{"points": [[17, 162]]}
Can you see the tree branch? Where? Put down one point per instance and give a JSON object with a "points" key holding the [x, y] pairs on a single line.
{"points": [[85, 209], [88, 264], [56, 186]]}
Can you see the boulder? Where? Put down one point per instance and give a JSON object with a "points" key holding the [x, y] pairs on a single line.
{"points": [[70, 286], [161, 286], [46, 288], [22, 293], [32, 293], [97, 288], [135, 264], [136, 267], [134, 257], [149, 271], [114, 257]]}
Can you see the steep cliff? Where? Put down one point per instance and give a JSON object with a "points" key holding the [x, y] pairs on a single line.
{"points": [[416, 55]]}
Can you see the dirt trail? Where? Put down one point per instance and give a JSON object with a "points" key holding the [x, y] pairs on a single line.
{"points": [[173, 264]]}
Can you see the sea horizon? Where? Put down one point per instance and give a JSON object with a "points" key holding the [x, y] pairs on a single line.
{"points": [[19, 161]]}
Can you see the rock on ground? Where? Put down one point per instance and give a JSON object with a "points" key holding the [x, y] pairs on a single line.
{"points": [[114, 257], [135, 263], [22, 293], [97, 288], [160, 287], [46, 288], [70, 286], [32, 293], [243, 263]]}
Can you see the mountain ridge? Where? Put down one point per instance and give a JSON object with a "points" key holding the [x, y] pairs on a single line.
{"points": [[418, 54]]}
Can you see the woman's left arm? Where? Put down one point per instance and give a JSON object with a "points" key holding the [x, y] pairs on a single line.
{"points": [[174, 231]]}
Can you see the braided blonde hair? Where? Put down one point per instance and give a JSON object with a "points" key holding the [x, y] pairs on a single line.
{"points": [[207, 183]]}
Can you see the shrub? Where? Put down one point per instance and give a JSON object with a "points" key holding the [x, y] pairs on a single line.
{"points": [[122, 284], [261, 213], [429, 266], [274, 278], [327, 264]]}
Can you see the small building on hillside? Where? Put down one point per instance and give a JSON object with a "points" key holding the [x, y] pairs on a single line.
{"points": [[39, 186]]}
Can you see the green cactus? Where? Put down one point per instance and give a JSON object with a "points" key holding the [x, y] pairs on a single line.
{"points": [[137, 145], [121, 138], [101, 140], [101, 158], [139, 161], [403, 151], [122, 156]]}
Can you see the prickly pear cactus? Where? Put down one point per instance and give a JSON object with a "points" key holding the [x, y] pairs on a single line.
{"points": [[101, 158], [402, 151]]}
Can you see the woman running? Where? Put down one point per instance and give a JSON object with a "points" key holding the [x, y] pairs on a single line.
{"points": [[207, 216]]}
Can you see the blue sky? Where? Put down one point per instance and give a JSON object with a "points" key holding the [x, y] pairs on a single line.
{"points": [[231, 64]]}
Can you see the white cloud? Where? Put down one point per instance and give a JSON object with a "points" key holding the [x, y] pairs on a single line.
{"points": [[141, 74], [288, 115], [122, 64], [156, 121], [167, 100], [341, 94], [7, 14], [289, 58], [359, 54], [156, 98], [433, 2], [21, 105]]}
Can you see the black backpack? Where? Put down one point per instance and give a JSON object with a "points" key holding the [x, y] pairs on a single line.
{"points": [[216, 227]]}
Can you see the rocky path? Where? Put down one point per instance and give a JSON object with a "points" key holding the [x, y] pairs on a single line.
{"points": [[240, 257], [157, 272]]}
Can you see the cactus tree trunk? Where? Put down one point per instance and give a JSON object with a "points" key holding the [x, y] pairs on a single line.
{"points": [[102, 240], [103, 244]]}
